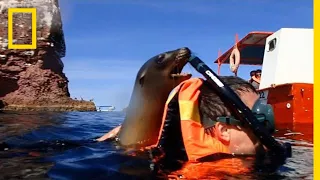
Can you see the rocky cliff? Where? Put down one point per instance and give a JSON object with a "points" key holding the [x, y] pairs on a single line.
{"points": [[33, 79]]}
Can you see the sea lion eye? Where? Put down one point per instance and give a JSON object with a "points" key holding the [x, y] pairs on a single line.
{"points": [[160, 58]]}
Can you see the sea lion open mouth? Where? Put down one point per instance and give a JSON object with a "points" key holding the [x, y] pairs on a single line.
{"points": [[180, 61]]}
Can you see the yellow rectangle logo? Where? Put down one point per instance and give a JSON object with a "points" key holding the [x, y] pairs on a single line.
{"points": [[33, 12]]}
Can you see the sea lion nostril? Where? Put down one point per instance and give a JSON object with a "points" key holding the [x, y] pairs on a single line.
{"points": [[183, 53], [185, 50]]}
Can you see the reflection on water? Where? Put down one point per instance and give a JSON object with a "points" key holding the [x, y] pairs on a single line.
{"points": [[12, 124], [60, 146]]}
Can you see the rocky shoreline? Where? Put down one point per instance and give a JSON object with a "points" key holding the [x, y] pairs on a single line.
{"points": [[70, 105], [33, 79]]}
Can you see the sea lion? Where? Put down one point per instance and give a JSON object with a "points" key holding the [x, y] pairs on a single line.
{"points": [[154, 82]]}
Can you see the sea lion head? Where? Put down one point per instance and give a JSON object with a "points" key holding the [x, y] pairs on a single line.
{"points": [[154, 82], [167, 66]]}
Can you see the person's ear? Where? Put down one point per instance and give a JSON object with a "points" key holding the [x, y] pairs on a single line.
{"points": [[223, 132]]}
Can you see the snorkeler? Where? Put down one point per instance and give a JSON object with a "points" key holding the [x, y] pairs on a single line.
{"points": [[220, 115], [204, 120]]}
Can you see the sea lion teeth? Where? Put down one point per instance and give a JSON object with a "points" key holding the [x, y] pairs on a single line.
{"points": [[180, 74]]}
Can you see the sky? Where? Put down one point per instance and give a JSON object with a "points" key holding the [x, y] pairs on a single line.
{"points": [[109, 40]]}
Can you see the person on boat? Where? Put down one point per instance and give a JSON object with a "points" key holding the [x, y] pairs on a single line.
{"points": [[258, 75], [197, 123], [255, 76], [252, 74]]}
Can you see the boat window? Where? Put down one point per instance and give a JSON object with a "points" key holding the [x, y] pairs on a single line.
{"points": [[272, 44]]}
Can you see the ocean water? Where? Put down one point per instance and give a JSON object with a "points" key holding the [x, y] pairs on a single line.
{"points": [[52, 145]]}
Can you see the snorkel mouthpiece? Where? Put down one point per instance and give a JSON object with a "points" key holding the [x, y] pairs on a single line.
{"points": [[242, 112]]}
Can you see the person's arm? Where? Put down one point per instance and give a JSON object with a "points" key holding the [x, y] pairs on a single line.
{"points": [[110, 134], [256, 79]]}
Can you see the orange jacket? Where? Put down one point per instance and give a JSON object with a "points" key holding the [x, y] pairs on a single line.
{"points": [[197, 143]]}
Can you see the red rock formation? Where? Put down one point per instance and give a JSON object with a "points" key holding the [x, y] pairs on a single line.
{"points": [[34, 79]]}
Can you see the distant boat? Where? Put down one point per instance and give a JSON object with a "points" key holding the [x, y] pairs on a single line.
{"points": [[105, 108]]}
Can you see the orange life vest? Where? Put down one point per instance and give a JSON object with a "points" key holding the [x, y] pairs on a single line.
{"points": [[197, 143]]}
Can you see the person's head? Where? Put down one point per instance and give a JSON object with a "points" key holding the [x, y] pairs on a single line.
{"points": [[252, 73], [238, 140], [258, 73]]}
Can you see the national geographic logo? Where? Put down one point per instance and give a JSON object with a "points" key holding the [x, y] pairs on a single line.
{"points": [[33, 12]]}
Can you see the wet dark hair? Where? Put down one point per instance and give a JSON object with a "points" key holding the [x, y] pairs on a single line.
{"points": [[258, 71], [211, 105]]}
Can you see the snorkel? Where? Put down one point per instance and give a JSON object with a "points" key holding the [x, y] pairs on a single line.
{"points": [[242, 112]]}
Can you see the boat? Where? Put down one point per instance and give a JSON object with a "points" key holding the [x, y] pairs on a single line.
{"points": [[286, 60], [105, 108]]}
